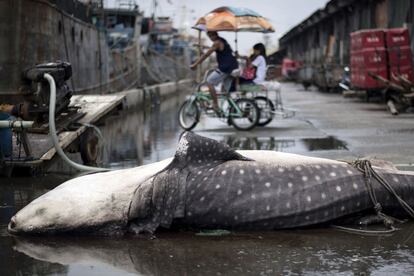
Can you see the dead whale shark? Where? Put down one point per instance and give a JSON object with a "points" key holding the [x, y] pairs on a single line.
{"points": [[208, 185]]}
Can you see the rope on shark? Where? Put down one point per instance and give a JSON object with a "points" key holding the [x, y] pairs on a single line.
{"points": [[365, 167]]}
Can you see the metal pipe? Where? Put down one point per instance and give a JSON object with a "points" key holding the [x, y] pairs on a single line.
{"points": [[52, 130], [18, 124]]}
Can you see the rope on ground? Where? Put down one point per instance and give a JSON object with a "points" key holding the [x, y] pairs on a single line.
{"points": [[365, 167]]}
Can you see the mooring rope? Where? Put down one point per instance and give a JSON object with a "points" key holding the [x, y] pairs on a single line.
{"points": [[365, 167]]}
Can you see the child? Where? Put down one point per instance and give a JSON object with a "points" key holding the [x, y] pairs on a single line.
{"points": [[255, 71]]}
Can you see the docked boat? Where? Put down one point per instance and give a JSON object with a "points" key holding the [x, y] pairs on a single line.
{"points": [[102, 45]]}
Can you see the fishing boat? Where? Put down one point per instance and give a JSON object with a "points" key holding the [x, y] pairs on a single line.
{"points": [[102, 45]]}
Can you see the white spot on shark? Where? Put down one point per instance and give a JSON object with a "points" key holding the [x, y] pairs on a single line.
{"points": [[267, 184], [241, 171], [338, 188], [217, 186], [333, 174], [304, 178], [239, 192], [290, 184], [223, 172], [323, 195], [308, 198], [257, 171], [355, 185]]}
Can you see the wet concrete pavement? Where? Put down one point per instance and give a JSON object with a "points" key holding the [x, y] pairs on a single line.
{"points": [[325, 125], [329, 125]]}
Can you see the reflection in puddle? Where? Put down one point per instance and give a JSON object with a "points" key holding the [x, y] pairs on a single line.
{"points": [[312, 251], [270, 143]]}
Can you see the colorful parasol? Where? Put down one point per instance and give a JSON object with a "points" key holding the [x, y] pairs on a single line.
{"points": [[233, 19]]}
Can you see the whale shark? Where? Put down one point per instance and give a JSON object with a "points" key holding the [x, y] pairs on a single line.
{"points": [[208, 185]]}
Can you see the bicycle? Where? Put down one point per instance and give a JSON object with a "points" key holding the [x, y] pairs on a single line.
{"points": [[242, 113], [260, 96]]}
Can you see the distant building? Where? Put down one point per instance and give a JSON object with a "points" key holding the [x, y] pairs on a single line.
{"points": [[324, 37]]}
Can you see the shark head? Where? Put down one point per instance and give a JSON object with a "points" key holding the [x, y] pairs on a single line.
{"points": [[95, 203]]}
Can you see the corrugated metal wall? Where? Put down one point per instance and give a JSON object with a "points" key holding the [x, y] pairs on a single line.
{"points": [[313, 41]]}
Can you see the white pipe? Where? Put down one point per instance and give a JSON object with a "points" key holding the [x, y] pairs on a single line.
{"points": [[16, 124], [52, 130]]}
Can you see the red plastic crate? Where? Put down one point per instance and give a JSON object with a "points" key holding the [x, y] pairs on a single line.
{"points": [[370, 38], [363, 80], [397, 37], [400, 56], [371, 57], [404, 71]]}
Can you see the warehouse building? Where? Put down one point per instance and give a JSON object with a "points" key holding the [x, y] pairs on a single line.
{"points": [[323, 39]]}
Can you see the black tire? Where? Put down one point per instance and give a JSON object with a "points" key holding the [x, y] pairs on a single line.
{"points": [[267, 110], [188, 115], [89, 148], [249, 117]]}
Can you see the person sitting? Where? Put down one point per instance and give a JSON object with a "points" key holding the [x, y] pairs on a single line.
{"points": [[227, 62], [255, 70]]}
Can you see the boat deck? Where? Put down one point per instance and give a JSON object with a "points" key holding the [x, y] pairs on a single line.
{"points": [[92, 107]]}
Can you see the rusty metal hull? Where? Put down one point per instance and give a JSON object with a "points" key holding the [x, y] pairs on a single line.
{"points": [[37, 31]]}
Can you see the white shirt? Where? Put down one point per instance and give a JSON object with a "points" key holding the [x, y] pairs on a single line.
{"points": [[260, 63]]}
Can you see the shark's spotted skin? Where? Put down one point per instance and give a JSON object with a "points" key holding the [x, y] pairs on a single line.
{"points": [[209, 185], [239, 193]]}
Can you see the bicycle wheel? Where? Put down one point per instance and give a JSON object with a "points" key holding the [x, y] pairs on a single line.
{"points": [[267, 110], [188, 115], [248, 116]]}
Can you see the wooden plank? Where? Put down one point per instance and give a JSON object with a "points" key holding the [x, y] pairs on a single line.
{"points": [[95, 107]]}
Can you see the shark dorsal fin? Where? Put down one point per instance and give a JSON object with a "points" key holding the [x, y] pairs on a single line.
{"points": [[198, 150]]}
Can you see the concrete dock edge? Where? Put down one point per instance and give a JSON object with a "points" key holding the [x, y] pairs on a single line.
{"points": [[155, 93]]}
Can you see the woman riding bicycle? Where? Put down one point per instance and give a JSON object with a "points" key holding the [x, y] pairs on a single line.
{"points": [[226, 64]]}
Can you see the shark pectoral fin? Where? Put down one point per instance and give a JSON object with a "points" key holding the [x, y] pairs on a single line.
{"points": [[141, 230]]}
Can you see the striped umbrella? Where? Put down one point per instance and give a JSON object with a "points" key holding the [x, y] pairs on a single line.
{"points": [[233, 19]]}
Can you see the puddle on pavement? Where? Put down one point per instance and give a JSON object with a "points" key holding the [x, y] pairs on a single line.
{"points": [[290, 145]]}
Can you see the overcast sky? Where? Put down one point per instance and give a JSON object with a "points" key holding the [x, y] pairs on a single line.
{"points": [[283, 14]]}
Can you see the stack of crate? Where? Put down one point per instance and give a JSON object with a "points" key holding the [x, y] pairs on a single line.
{"points": [[382, 52], [368, 55], [399, 53]]}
